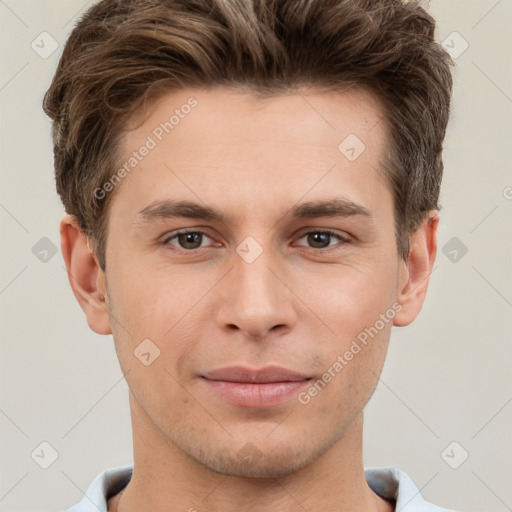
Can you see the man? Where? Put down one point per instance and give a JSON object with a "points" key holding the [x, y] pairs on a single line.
{"points": [[252, 192]]}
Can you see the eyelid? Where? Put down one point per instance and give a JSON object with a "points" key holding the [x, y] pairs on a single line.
{"points": [[343, 240], [166, 239], [330, 231]]}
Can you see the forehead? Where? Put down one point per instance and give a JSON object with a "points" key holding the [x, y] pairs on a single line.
{"points": [[220, 144], [216, 111]]}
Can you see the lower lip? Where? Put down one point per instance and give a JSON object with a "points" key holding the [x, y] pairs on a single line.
{"points": [[243, 394]]}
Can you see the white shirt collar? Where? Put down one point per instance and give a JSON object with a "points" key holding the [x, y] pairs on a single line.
{"points": [[389, 483]]}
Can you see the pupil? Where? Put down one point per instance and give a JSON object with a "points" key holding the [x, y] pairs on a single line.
{"points": [[321, 238], [192, 238]]}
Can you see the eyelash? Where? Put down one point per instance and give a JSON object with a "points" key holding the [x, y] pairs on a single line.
{"points": [[343, 240]]}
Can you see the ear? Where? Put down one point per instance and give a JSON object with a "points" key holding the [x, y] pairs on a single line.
{"points": [[85, 276], [414, 274]]}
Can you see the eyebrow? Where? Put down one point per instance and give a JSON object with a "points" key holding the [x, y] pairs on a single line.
{"points": [[168, 209]]}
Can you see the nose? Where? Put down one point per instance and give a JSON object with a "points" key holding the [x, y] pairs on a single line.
{"points": [[257, 300]]}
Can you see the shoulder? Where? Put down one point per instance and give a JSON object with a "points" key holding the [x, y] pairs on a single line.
{"points": [[106, 484], [394, 484]]}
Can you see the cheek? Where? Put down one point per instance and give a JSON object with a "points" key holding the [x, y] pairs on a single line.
{"points": [[351, 373], [156, 323], [351, 298], [152, 299], [358, 308]]}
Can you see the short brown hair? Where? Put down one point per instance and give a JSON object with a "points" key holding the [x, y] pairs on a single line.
{"points": [[124, 52]]}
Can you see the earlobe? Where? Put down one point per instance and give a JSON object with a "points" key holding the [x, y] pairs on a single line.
{"points": [[85, 276], [414, 274]]}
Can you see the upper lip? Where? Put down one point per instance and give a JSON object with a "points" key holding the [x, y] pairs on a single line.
{"points": [[260, 376]]}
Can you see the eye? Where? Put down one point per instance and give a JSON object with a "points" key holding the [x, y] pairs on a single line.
{"points": [[188, 240], [320, 239]]}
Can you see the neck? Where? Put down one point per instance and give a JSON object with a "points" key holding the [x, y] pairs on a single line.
{"points": [[165, 478]]}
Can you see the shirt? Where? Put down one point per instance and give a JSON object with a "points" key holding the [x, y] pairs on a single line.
{"points": [[389, 483]]}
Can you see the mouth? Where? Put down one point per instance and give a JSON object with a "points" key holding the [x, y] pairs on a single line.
{"points": [[259, 388], [267, 375]]}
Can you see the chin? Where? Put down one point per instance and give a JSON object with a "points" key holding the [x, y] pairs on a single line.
{"points": [[250, 462], [267, 466]]}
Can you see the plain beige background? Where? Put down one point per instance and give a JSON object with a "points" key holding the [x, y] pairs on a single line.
{"points": [[446, 390]]}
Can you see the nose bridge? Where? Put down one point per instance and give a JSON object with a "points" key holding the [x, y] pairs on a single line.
{"points": [[254, 282], [257, 300]]}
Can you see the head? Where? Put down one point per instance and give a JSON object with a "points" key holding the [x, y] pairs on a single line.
{"points": [[256, 111]]}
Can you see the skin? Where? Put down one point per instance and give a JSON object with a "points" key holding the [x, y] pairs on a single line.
{"points": [[253, 160]]}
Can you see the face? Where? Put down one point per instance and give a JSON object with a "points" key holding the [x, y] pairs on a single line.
{"points": [[268, 298]]}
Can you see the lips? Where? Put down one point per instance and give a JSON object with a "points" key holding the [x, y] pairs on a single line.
{"points": [[262, 376], [262, 388]]}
